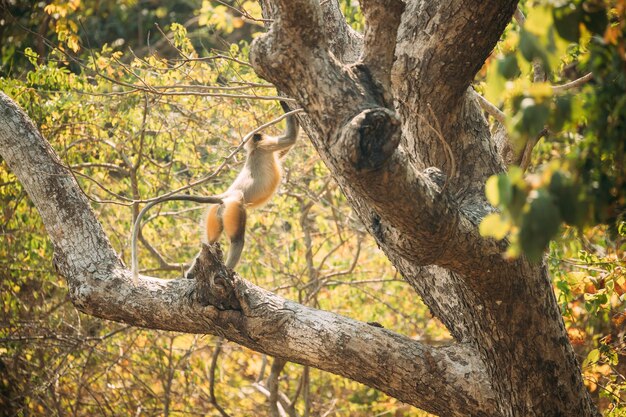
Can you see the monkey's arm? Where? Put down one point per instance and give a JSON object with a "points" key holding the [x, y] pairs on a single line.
{"points": [[284, 142], [137, 225]]}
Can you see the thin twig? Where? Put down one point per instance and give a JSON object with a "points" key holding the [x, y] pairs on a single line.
{"points": [[272, 385], [446, 146], [572, 84], [216, 353], [213, 87], [524, 158], [490, 108]]}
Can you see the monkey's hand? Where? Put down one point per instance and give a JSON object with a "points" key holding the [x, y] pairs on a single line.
{"points": [[286, 108]]}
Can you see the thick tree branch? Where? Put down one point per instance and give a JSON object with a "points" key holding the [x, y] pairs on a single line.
{"points": [[441, 380], [382, 18], [344, 42], [441, 46], [448, 42]]}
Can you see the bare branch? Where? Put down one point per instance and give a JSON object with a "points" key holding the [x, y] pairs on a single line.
{"points": [[573, 84], [272, 384], [524, 158], [487, 106], [282, 406], [163, 264], [214, 357]]}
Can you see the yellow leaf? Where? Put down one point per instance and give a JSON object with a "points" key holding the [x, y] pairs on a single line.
{"points": [[539, 20], [540, 90], [237, 22], [72, 42], [491, 191], [494, 226]]}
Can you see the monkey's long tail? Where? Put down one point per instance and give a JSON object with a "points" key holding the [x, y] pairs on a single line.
{"points": [[137, 225]]}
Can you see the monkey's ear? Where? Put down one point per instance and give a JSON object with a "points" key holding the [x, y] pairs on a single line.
{"points": [[257, 137]]}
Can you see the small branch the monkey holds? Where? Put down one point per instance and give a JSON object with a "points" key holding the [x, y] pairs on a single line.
{"points": [[254, 186]]}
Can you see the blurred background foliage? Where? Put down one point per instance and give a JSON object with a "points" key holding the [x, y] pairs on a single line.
{"points": [[142, 97], [578, 174]]}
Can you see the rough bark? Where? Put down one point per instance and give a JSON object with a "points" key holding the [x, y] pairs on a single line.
{"points": [[423, 199], [397, 126]]}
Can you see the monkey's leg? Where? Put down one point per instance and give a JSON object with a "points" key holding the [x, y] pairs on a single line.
{"points": [[214, 224], [234, 219]]}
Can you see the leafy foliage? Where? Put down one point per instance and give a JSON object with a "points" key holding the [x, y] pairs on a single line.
{"points": [[590, 282], [586, 186]]}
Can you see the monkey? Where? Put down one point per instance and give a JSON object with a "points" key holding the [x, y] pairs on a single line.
{"points": [[253, 187]]}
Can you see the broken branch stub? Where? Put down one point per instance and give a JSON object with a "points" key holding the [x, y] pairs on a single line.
{"points": [[370, 139], [215, 284]]}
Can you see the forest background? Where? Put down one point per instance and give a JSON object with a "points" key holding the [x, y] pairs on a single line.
{"points": [[141, 97]]}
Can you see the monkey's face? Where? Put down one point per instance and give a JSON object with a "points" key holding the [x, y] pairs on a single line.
{"points": [[254, 141]]}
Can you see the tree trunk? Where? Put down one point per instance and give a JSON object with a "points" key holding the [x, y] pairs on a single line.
{"points": [[390, 114]]}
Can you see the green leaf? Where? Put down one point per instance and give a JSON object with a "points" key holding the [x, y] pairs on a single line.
{"points": [[491, 190], [567, 19], [516, 175], [504, 189], [539, 225], [531, 48], [534, 116], [562, 112], [566, 195], [507, 66], [498, 190], [621, 228], [518, 202], [595, 19], [592, 357]]}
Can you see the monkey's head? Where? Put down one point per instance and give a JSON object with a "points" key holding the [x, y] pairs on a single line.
{"points": [[254, 141]]}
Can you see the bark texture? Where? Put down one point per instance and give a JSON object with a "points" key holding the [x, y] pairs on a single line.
{"points": [[391, 115]]}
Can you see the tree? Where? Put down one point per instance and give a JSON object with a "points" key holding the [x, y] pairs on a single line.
{"points": [[391, 115]]}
